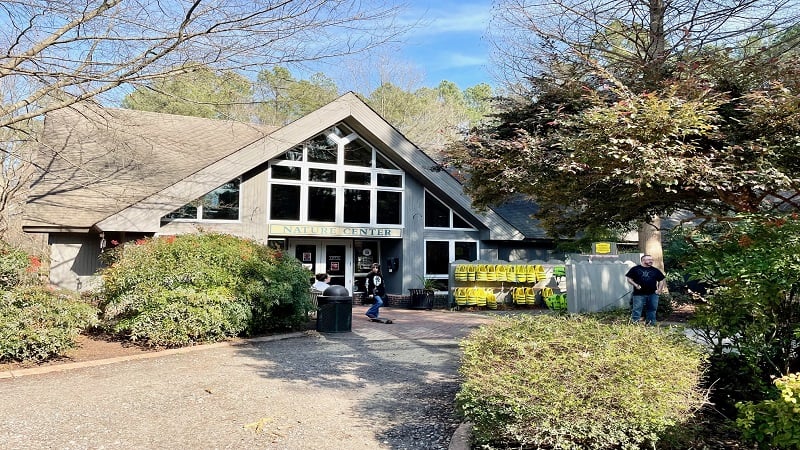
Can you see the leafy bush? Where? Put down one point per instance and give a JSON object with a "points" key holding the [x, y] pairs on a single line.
{"points": [[775, 423], [183, 316], [576, 383], [37, 323], [174, 291], [16, 267], [750, 316]]}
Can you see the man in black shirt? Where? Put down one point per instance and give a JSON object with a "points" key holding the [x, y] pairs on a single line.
{"points": [[377, 289], [647, 282]]}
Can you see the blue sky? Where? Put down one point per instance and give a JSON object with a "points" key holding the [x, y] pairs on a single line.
{"points": [[449, 41]]}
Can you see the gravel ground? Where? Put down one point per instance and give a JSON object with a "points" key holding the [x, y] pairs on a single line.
{"points": [[366, 390]]}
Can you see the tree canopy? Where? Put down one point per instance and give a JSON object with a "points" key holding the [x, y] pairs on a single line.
{"points": [[598, 139]]}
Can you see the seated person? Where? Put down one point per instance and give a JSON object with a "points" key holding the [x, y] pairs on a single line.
{"points": [[322, 282]]}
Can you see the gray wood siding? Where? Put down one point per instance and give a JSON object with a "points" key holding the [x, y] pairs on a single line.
{"points": [[413, 237], [74, 261]]}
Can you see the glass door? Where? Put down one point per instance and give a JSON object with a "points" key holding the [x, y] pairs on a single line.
{"points": [[331, 256]]}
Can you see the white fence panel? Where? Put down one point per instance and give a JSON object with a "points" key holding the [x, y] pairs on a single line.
{"points": [[597, 285]]}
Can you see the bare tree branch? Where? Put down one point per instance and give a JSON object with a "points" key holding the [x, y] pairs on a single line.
{"points": [[529, 35], [59, 52]]}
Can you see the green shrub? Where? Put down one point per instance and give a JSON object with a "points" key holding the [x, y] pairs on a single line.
{"points": [[752, 305], [184, 316], [173, 291], [16, 267], [774, 423], [576, 383], [37, 323]]}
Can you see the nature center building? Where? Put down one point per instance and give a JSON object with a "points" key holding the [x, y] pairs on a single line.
{"points": [[339, 188]]}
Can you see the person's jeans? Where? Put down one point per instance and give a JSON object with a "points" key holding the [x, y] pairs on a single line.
{"points": [[373, 310], [647, 302]]}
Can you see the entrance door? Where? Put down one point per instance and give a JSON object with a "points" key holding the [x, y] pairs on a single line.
{"points": [[331, 256]]}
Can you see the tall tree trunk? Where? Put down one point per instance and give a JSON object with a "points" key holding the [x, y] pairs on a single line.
{"points": [[650, 242], [655, 50]]}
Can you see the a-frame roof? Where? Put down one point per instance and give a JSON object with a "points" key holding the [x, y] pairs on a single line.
{"points": [[193, 156]]}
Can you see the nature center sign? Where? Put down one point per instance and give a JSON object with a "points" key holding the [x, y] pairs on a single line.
{"points": [[334, 231]]}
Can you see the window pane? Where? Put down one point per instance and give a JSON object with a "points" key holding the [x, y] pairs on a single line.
{"points": [[389, 205], [390, 180], [437, 257], [358, 153], [223, 202], [284, 202], [436, 213], [285, 173], [322, 149], [466, 250], [295, 154], [321, 204], [356, 206], [364, 178], [322, 175], [382, 163], [458, 222], [184, 212]]}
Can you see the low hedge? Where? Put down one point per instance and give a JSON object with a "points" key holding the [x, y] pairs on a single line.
{"points": [[576, 383], [37, 323]]}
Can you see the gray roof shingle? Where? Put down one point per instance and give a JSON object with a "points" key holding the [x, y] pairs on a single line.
{"points": [[96, 161]]}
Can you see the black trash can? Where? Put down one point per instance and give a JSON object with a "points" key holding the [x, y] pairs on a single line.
{"points": [[421, 298], [335, 310]]}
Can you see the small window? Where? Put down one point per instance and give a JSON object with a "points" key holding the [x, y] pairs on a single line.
{"points": [[222, 203], [389, 208], [437, 257], [458, 222], [437, 215], [363, 178], [390, 180], [322, 175], [466, 250], [285, 172], [321, 204], [356, 206], [284, 202], [323, 149], [358, 153], [382, 163]]}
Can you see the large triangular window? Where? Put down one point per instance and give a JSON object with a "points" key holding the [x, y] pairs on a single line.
{"points": [[336, 178]]}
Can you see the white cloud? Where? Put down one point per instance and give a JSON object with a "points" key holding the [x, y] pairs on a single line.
{"points": [[450, 18], [461, 60]]}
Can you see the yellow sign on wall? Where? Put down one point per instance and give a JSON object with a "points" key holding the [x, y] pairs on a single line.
{"points": [[604, 248]]}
